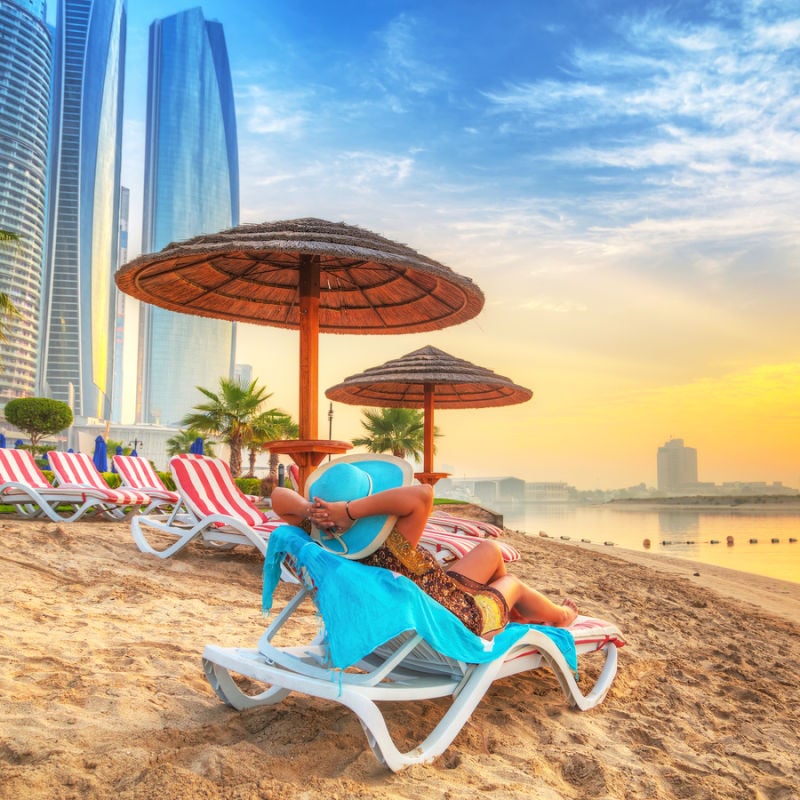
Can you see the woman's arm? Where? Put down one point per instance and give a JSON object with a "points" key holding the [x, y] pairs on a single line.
{"points": [[290, 506]]}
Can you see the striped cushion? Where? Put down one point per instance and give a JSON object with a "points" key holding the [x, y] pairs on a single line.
{"points": [[19, 466], [208, 488], [78, 470], [137, 473]]}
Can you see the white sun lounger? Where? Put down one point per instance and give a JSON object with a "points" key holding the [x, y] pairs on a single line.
{"points": [[213, 509], [24, 486], [76, 474], [406, 649], [137, 473]]}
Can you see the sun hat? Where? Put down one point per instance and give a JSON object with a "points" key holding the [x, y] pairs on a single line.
{"points": [[350, 478]]}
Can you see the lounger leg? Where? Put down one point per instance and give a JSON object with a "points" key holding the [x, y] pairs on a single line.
{"points": [[568, 683], [226, 689]]}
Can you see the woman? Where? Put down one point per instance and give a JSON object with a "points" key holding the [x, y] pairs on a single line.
{"points": [[476, 588]]}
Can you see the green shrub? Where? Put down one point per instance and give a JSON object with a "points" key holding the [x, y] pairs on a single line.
{"points": [[166, 478], [249, 485], [38, 417]]}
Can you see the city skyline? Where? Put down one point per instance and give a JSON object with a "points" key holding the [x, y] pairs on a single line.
{"points": [[621, 183]]}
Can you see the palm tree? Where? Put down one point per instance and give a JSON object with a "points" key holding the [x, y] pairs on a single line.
{"points": [[229, 415], [270, 426], [7, 307], [183, 440], [400, 431]]}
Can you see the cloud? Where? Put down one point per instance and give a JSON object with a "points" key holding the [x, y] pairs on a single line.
{"points": [[265, 112], [401, 59]]}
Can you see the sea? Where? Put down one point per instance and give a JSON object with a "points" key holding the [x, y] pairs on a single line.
{"points": [[761, 543]]}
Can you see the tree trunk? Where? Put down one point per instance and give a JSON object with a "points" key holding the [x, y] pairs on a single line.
{"points": [[273, 467], [236, 456], [252, 460]]}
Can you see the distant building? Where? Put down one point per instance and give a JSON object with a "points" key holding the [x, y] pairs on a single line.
{"points": [[120, 329], [548, 492], [191, 187], [78, 311], [25, 57], [677, 467], [485, 490], [243, 374]]}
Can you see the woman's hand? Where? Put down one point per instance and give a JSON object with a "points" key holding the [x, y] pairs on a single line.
{"points": [[329, 516]]}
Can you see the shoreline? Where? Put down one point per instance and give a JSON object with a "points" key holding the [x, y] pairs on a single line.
{"points": [[773, 595], [789, 504]]}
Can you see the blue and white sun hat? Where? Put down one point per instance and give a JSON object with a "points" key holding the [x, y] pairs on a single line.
{"points": [[350, 478]]}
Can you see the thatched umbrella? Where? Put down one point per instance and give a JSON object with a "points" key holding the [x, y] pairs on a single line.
{"points": [[426, 378], [308, 274]]}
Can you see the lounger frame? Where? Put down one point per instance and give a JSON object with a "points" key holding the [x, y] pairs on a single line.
{"points": [[406, 669]]}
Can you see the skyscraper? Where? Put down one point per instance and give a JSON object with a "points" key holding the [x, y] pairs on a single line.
{"points": [[25, 55], [677, 466], [191, 187], [86, 138], [121, 332]]}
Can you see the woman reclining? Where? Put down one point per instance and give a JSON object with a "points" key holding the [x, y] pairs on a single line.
{"points": [[476, 588]]}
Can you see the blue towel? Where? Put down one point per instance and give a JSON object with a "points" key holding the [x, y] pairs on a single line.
{"points": [[363, 607]]}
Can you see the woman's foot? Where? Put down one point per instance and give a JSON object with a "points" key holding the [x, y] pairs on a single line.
{"points": [[570, 610]]}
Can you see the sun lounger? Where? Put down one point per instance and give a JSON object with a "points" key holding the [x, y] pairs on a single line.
{"points": [[76, 474], [137, 473], [385, 640], [213, 510], [469, 527], [24, 486], [448, 545]]}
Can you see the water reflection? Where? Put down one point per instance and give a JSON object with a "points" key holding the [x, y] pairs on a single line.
{"points": [[699, 536], [680, 523]]}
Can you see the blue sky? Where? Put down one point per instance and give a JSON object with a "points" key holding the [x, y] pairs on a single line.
{"points": [[620, 178]]}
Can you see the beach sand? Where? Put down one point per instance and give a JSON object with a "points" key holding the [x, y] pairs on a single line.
{"points": [[102, 692]]}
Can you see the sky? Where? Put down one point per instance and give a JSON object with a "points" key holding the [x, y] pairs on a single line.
{"points": [[619, 178]]}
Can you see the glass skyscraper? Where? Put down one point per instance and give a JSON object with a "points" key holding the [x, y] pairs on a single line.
{"points": [[25, 57], [84, 192], [191, 187]]}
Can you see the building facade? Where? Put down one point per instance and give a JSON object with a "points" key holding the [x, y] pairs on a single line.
{"points": [[191, 187], [84, 190], [118, 380], [25, 64], [677, 467]]}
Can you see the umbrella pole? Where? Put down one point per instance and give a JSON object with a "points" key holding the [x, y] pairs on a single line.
{"points": [[428, 475], [427, 458], [309, 346]]}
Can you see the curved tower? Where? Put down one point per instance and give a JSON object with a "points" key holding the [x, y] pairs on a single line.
{"points": [[24, 98], [191, 187]]}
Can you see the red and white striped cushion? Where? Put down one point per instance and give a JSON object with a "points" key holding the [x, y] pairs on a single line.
{"points": [[208, 488], [137, 473], [78, 470], [19, 466]]}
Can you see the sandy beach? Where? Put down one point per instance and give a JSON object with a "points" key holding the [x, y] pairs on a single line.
{"points": [[102, 692]]}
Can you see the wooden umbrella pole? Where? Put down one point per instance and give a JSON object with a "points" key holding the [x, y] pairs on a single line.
{"points": [[427, 458], [309, 346]]}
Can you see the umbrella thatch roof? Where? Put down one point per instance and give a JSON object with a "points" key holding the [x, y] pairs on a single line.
{"points": [[251, 273], [455, 383]]}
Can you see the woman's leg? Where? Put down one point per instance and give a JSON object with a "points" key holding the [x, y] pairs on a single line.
{"points": [[485, 565], [528, 605]]}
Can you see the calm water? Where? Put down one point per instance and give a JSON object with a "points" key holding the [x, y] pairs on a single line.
{"points": [[678, 533]]}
